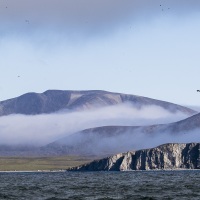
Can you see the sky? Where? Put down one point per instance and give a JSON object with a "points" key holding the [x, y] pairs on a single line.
{"points": [[143, 47]]}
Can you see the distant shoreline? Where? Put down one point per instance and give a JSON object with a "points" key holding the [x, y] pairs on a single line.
{"points": [[57, 171], [37, 171]]}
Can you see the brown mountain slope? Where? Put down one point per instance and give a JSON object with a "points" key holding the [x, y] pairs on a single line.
{"points": [[55, 100]]}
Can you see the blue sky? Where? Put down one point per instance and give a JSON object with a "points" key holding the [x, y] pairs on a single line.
{"points": [[142, 47]]}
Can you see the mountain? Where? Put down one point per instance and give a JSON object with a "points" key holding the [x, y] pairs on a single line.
{"points": [[188, 124], [55, 100], [19, 150], [167, 156], [109, 140]]}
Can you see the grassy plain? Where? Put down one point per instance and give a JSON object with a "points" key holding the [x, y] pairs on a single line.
{"points": [[41, 163]]}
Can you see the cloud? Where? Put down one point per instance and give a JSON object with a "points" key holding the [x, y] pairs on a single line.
{"points": [[131, 40], [85, 17], [46, 128], [197, 108], [143, 141], [101, 145]]}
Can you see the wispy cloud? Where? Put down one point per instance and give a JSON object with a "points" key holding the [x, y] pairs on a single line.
{"points": [[138, 140], [85, 17], [43, 129], [98, 143]]}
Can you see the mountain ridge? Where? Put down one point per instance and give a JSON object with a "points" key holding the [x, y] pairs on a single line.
{"points": [[55, 100], [83, 142]]}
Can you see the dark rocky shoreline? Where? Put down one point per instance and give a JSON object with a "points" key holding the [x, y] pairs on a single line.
{"points": [[170, 156]]}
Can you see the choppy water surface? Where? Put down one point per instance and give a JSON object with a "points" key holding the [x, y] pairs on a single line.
{"points": [[101, 185]]}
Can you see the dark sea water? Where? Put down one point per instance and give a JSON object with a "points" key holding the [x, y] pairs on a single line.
{"points": [[101, 185]]}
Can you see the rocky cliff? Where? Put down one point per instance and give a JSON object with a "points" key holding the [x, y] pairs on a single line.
{"points": [[167, 156]]}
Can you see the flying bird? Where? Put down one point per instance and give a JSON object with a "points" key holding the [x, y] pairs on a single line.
{"points": [[198, 90]]}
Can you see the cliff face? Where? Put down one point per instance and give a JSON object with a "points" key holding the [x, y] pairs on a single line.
{"points": [[167, 156]]}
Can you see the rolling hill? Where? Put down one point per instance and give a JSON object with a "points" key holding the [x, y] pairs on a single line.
{"points": [[56, 100], [113, 139], [93, 141]]}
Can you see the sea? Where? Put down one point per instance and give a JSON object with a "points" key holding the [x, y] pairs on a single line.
{"points": [[145, 185]]}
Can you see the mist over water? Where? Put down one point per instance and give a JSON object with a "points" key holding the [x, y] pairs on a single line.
{"points": [[45, 128], [113, 142]]}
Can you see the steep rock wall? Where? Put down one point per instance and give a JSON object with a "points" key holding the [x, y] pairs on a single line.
{"points": [[167, 156]]}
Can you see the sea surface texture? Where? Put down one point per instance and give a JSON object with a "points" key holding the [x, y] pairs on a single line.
{"points": [[101, 185]]}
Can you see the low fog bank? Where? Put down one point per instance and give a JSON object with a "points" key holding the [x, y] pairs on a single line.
{"points": [[123, 144], [94, 144], [150, 141], [196, 108], [43, 129]]}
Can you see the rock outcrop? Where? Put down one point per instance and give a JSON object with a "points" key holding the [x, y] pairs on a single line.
{"points": [[167, 156]]}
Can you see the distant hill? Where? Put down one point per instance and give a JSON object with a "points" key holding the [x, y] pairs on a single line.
{"points": [[167, 156], [112, 139], [55, 100]]}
